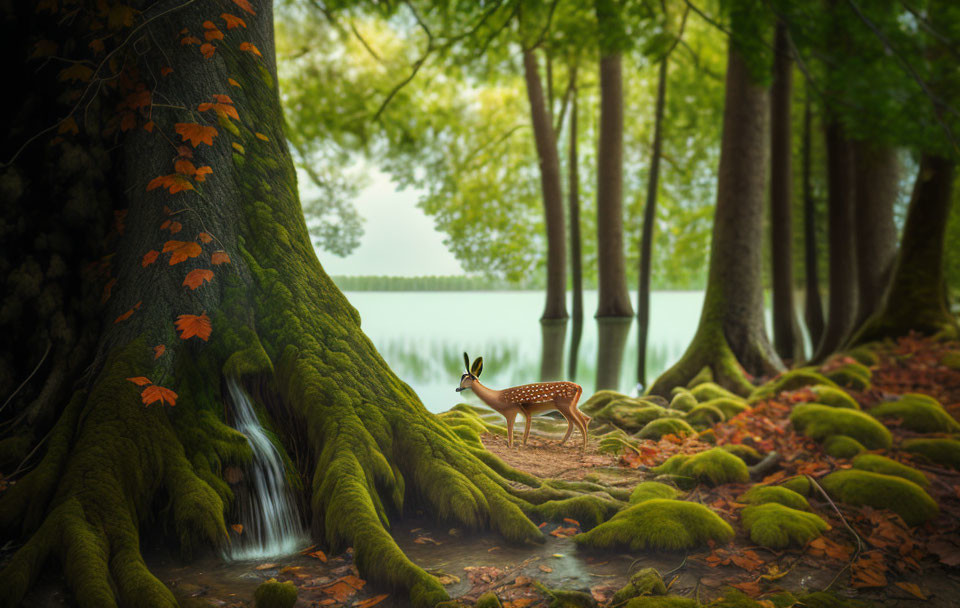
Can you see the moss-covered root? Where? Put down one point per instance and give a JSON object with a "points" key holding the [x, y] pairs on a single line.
{"points": [[903, 497], [646, 581], [708, 349], [488, 600], [887, 466], [274, 594], [834, 397], [563, 598], [820, 421], [655, 429], [853, 376], [659, 524], [919, 413], [683, 401], [662, 601], [647, 490], [841, 446], [589, 510], [799, 484], [715, 466], [944, 452], [758, 495], [789, 381], [776, 526]]}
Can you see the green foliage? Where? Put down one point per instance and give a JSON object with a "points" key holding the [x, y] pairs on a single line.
{"points": [[777, 526], [919, 413], [841, 446], [945, 452], [835, 397], [659, 524], [655, 429], [789, 381], [888, 466], [273, 594], [646, 490], [903, 497], [715, 466], [820, 422], [758, 495]]}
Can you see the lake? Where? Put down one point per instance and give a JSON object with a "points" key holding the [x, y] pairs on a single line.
{"points": [[423, 334]]}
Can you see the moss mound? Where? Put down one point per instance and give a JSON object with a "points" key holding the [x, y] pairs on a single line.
{"points": [[863, 355], [789, 381], [662, 601], [834, 397], [631, 414], [704, 415], [744, 452], [841, 446], [776, 526], [759, 495], [599, 400], [274, 594], [683, 401], [854, 376], [646, 581], [715, 466], [729, 407], [655, 429], [888, 466], [820, 421], [918, 413], [711, 390], [488, 600], [659, 524], [704, 375], [951, 360], [903, 497], [799, 484], [647, 490], [825, 599], [945, 452]]}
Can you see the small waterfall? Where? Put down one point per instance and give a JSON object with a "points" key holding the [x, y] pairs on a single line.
{"points": [[268, 512]]}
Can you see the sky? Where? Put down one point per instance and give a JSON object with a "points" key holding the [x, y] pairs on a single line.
{"points": [[398, 239]]}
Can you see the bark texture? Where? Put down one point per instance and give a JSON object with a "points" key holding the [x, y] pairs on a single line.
{"points": [[573, 202], [813, 303], [546, 143], [731, 337]]}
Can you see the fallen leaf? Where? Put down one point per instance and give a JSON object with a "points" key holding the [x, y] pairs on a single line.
{"points": [[204, 237], [245, 5], [233, 21], [153, 394], [545, 568], [913, 589], [751, 588], [233, 82], [572, 522], [181, 250], [371, 601], [219, 257], [250, 48], [195, 134], [173, 182], [189, 40], [158, 351], [194, 325], [140, 381], [207, 50], [265, 566], [238, 528], [196, 277], [522, 602], [213, 35], [202, 173], [165, 71], [319, 555]]}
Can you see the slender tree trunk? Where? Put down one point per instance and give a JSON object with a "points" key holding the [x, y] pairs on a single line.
{"points": [[877, 174], [553, 334], [731, 336], [813, 309], [576, 257], [843, 275], [612, 337], [546, 143], [785, 328], [915, 298], [613, 299], [649, 220]]}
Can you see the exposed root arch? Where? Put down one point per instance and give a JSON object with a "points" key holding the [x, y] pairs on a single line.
{"points": [[709, 348]]}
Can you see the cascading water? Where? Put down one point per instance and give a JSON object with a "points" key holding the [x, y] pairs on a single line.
{"points": [[268, 512]]}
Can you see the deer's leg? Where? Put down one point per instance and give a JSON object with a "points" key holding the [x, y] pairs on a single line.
{"points": [[569, 417], [528, 420], [511, 418]]}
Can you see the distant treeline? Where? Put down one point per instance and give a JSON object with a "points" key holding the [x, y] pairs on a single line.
{"points": [[425, 283]]}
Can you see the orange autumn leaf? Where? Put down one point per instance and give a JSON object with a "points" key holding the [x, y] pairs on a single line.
{"points": [[140, 381], [373, 601], [158, 351], [175, 227], [184, 166], [233, 21], [196, 277], [68, 125], [181, 250], [128, 121], [153, 394], [148, 126], [222, 109], [238, 528], [76, 72], [209, 25], [913, 589], [106, 290], [149, 258], [262, 136], [204, 237], [194, 325], [219, 257], [202, 173], [245, 5], [221, 98], [213, 35], [123, 317], [165, 71], [251, 48], [319, 555], [233, 82], [196, 134], [184, 151], [190, 40], [207, 49], [174, 183]]}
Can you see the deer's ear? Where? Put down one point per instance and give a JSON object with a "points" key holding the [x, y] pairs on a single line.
{"points": [[477, 367], [466, 362]]}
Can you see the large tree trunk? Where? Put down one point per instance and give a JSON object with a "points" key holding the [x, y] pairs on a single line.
{"points": [[731, 335], [367, 449], [649, 219], [613, 299], [843, 275], [786, 334], [813, 303], [546, 143], [915, 298], [877, 179]]}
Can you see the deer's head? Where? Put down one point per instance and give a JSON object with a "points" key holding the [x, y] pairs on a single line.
{"points": [[473, 371]]}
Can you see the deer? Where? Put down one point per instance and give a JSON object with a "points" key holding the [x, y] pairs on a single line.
{"points": [[528, 400]]}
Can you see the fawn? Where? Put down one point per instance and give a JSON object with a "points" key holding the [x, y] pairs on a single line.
{"points": [[528, 399]]}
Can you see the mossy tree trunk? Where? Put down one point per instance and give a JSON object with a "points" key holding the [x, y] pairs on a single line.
{"points": [[731, 337], [367, 448], [813, 304], [573, 208], [915, 298]]}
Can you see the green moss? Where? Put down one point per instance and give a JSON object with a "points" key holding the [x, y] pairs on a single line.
{"points": [[714, 466], [790, 381], [662, 601], [704, 375], [841, 446], [589, 510], [852, 375], [704, 415], [918, 413], [864, 355], [630, 414], [564, 598], [659, 523], [888, 466], [799, 484], [599, 400], [488, 600], [683, 401], [951, 360], [13, 450], [776, 526], [744, 452], [647, 490], [646, 581], [945, 452], [710, 390], [758, 495], [820, 421], [274, 594], [655, 429], [899, 495], [825, 599], [729, 407], [834, 397]]}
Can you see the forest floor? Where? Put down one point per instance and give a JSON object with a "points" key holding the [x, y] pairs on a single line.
{"points": [[867, 554]]}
